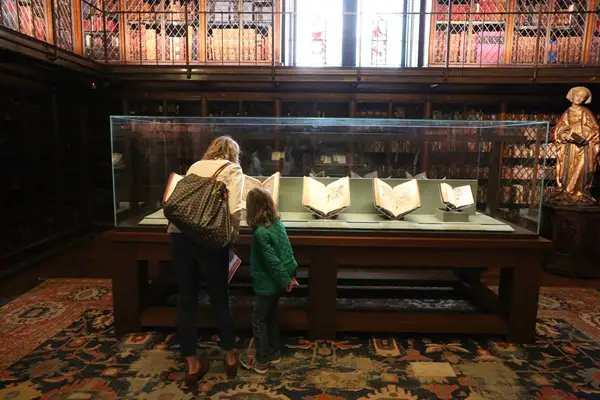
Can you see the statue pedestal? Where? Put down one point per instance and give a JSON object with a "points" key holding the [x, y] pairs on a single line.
{"points": [[575, 235]]}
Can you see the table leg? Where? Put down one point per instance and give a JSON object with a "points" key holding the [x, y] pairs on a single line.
{"points": [[519, 294], [322, 295], [128, 283]]}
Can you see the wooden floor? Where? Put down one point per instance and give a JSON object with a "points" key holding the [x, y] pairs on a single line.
{"points": [[85, 260]]}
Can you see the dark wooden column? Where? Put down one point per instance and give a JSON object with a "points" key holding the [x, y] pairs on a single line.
{"points": [[349, 33], [322, 294], [129, 279]]}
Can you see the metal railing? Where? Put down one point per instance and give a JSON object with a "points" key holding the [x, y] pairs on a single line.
{"points": [[176, 32]]}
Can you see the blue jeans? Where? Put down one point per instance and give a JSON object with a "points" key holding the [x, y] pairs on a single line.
{"points": [[190, 260], [264, 327]]}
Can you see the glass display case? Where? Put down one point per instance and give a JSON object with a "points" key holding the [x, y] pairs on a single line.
{"points": [[503, 163]]}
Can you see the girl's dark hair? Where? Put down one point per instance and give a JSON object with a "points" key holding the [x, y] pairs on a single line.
{"points": [[260, 208]]}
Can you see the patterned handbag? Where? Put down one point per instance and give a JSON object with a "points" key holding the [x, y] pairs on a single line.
{"points": [[198, 207]]}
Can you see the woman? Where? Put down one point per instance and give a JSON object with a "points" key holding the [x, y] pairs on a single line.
{"points": [[190, 258], [577, 134]]}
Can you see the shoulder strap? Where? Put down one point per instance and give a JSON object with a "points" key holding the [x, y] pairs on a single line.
{"points": [[221, 168]]}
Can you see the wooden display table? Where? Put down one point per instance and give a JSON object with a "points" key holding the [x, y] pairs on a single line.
{"points": [[512, 313]]}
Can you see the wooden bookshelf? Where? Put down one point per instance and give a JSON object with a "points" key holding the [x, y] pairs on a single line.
{"points": [[468, 32], [29, 17], [517, 32], [231, 32]]}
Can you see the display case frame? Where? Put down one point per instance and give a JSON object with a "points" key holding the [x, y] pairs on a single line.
{"points": [[480, 152]]}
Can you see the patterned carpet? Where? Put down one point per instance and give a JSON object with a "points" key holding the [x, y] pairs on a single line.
{"points": [[57, 343]]}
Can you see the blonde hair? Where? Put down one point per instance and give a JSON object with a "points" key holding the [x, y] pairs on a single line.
{"points": [[260, 208], [223, 148], [588, 94]]}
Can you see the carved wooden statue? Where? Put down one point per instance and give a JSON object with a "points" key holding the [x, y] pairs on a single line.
{"points": [[577, 137]]}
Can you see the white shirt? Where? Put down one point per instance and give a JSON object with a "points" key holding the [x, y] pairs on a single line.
{"points": [[232, 177]]}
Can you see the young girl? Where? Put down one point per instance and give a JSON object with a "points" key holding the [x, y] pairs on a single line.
{"points": [[273, 269]]}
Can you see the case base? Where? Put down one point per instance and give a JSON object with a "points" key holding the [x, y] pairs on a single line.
{"points": [[451, 216]]}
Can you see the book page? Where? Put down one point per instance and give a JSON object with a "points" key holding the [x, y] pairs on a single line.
{"points": [[271, 185], [314, 194], [406, 198], [249, 184], [383, 195], [338, 195], [463, 196], [447, 194], [171, 183]]}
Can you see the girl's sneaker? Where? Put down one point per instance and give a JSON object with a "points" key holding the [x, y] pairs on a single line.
{"points": [[249, 362], [274, 357]]}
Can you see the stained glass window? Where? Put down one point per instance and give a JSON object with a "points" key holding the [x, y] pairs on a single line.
{"points": [[380, 26], [319, 33]]}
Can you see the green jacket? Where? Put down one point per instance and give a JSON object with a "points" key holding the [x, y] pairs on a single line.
{"points": [[272, 262]]}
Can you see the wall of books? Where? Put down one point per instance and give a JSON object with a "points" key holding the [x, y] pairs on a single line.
{"points": [[50, 21], [482, 33], [182, 31], [500, 32], [29, 17]]}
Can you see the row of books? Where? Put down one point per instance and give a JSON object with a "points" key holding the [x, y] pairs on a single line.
{"points": [[329, 200], [462, 171], [487, 10], [561, 50], [244, 44], [28, 18], [149, 44], [484, 47], [458, 145], [145, 11], [523, 172], [527, 151], [532, 15], [488, 47], [223, 11]]}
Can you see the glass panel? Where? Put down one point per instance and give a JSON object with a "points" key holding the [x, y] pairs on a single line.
{"points": [[64, 23], [594, 54], [319, 33], [502, 161], [27, 17], [379, 34], [93, 30]]}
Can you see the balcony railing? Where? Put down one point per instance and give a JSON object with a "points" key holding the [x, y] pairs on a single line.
{"points": [[457, 34]]}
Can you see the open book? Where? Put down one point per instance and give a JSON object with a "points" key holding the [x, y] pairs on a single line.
{"points": [[421, 176], [116, 158], [271, 185], [171, 183], [326, 201], [398, 201], [369, 175], [458, 197]]}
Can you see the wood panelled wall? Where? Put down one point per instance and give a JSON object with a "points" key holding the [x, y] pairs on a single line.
{"points": [[55, 157]]}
